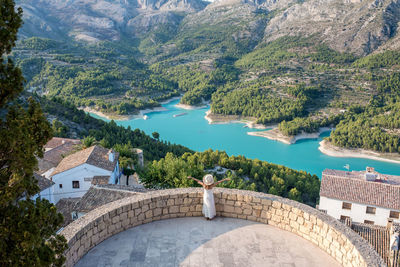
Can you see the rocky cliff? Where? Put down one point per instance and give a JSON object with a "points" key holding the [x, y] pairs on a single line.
{"points": [[355, 26]]}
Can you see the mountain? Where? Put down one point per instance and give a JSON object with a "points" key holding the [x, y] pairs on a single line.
{"points": [[92, 20], [359, 27], [300, 64]]}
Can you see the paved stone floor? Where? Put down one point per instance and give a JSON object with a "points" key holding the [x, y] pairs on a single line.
{"points": [[197, 242]]}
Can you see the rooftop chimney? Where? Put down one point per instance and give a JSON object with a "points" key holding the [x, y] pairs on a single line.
{"points": [[111, 155], [370, 174]]}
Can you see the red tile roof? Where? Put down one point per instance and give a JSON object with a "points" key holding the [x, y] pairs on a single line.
{"points": [[58, 141], [352, 186], [95, 155]]}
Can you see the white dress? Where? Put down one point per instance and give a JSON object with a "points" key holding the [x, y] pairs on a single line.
{"points": [[208, 204]]}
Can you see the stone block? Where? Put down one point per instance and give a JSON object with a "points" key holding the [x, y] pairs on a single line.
{"points": [[135, 205], [138, 211], [242, 216], [247, 211], [232, 197], [256, 213], [174, 209], [266, 202], [148, 214], [228, 208], [157, 211], [184, 209], [187, 201], [131, 213], [300, 220], [252, 218], [145, 208], [115, 219], [140, 217], [238, 210], [276, 204], [230, 202]]}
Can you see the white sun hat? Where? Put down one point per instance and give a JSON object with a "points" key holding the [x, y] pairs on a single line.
{"points": [[208, 179]]}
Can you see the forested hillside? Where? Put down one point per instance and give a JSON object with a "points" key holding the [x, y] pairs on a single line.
{"points": [[68, 121], [121, 57], [256, 175]]}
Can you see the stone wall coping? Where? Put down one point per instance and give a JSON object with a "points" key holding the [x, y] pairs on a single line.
{"points": [[78, 227]]}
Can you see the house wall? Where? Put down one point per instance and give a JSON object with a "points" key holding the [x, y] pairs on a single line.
{"points": [[45, 194], [114, 178], [78, 173], [357, 212]]}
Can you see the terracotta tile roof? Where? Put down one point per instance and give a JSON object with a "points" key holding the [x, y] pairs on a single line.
{"points": [[377, 236], [95, 155], [57, 141], [99, 196], [66, 206], [352, 186], [53, 157], [43, 182]]}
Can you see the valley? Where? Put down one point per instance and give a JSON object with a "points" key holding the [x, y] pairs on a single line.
{"points": [[122, 57]]}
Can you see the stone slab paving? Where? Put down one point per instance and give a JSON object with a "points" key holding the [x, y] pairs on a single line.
{"points": [[197, 242]]}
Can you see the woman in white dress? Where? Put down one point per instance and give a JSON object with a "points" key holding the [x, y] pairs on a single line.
{"points": [[208, 196]]}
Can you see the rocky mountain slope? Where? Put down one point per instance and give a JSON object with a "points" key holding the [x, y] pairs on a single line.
{"points": [[359, 27], [95, 20]]}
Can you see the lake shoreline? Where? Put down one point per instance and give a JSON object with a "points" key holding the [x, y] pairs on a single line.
{"points": [[225, 119], [328, 149], [141, 114], [276, 135]]}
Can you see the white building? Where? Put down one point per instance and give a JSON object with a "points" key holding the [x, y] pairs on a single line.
{"points": [[363, 196], [75, 173], [55, 150], [45, 187]]}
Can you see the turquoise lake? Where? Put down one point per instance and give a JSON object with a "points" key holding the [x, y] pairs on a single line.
{"points": [[193, 131]]}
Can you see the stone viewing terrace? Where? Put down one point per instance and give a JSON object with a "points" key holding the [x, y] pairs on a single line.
{"points": [[253, 229]]}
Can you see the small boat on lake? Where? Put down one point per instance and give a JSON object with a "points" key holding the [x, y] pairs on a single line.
{"points": [[180, 114], [145, 117]]}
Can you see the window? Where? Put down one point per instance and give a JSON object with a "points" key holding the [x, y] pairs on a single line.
{"points": [[343, 218], [60, 185], [346, 206], [394, 214], [371, 210], [75, 184], [369, 222]]}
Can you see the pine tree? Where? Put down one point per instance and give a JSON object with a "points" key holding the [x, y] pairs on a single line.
{"points": [[27, 227]]}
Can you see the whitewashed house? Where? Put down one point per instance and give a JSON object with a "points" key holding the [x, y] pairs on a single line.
{"points": [[75, 173], [55, 150], [45, 186], [362, 196]]}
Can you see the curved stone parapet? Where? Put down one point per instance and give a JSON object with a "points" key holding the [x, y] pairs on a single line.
{"points": [[339, 241]]}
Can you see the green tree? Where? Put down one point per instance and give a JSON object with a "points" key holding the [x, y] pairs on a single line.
{"points": [[27, 227], [88, 141], [156, 135]]}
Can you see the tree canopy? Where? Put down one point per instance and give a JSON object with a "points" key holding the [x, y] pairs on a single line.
{"points": [[27, 227]]}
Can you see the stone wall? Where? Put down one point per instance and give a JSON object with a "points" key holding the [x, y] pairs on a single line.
{"points": [[330, 235]]}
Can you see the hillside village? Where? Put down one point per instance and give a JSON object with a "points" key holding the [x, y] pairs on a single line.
{"points": [[68, 171]]}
